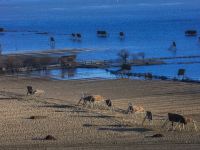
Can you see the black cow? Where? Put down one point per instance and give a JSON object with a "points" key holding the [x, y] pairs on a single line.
{"points": [[121, 35], [175, 118], [148, 116], [52, 42], [30, 90], [108, 102], [101, 33]]}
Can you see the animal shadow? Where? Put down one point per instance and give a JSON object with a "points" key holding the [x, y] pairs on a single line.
{"points": [[125, 129]]}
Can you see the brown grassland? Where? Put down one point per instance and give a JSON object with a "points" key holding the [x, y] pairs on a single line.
{"points": [[25, 121]]}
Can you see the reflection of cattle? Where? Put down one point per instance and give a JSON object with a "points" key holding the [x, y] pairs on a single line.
{"points": [[52, 42], [180, 120], [172, 47], [95, 99], [1, 29], [102, 34]]}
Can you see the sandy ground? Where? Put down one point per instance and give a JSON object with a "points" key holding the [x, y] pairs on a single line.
{"points": [[78, 127]]}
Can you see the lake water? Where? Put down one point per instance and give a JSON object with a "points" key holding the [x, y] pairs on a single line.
{"points": [[150, 27]]}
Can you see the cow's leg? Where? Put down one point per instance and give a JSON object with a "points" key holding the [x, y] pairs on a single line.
{"points": [[149, 121], [165, 123], [152, 122], [172, 126], [195, 126], [183, 126], [144, 120], [79, 101], [178, 123], [85, 103], [94, 105]]}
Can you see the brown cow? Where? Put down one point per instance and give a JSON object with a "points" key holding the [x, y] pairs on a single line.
{"points": [[95, 99]]}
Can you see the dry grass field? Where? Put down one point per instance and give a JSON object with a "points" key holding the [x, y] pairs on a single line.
{"points": [[26, 121]]}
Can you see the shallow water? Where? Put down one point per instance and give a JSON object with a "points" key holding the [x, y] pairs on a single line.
{"points": [[150, 27]]}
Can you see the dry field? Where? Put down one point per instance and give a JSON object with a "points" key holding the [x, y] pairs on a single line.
{"points": [[25, 121]]}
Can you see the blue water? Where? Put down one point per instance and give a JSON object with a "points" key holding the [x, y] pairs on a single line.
{"points": [[150, 27], [73, 74]]}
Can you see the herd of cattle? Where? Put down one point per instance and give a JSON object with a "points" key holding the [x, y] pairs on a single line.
{"points": [[180, 120], [98, 100]]}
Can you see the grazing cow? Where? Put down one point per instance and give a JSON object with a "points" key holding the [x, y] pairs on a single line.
{"points": [[95, 99], [180, 120], [176, 118], [37, 92], [30, 90], [148, 116], [130, 108], [108, 102], [134, 109]]}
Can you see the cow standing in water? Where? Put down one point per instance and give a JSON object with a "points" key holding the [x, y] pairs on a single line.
{"points": [[52, 42], [76, 37], [121, 35], [173, 46]]}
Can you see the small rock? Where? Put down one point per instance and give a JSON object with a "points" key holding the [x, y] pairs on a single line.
{"points": [[49, 137], [157, 135]]}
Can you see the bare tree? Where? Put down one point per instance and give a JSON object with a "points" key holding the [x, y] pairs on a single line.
{"points": [[123, 56]]}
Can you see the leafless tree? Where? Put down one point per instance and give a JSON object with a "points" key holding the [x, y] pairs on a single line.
{"points": [[123, 56]]}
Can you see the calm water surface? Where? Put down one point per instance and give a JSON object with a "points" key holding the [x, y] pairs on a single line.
{"points": [[150, 27]]}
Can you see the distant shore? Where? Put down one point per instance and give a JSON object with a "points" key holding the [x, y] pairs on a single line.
{"points": [[27, 62]]}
